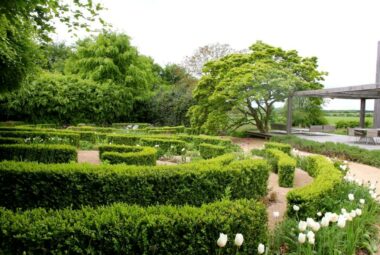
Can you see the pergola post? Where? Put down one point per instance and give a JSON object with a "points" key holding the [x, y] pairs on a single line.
{"points": [[362, 113], [376, 110], [289, 121]]}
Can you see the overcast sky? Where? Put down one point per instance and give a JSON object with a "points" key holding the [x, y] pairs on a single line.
{"points": [[343, 34]]}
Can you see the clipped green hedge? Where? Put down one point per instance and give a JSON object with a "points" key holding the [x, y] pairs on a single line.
{"points": [[124, 139], [279, 146], [129, 229], [283, 164], [131, 155], [164, 145], [30, 185], [131, 125], [92, 128], [211, 151], [10, 140], [170, 130], [308, 198], [44, 153], [330, 149], [70, 138], [198, 139]]}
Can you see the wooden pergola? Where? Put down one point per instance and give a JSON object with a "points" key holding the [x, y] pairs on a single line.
{"points": [[362, 92]]}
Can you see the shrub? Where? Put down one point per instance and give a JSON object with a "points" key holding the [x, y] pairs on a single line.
{"points": [[198, 139], [10, 140], [339, 150], [279, 146], [72, 138], [88, 136], [171, 130], [211, 151], [131, 125], [45, 153], [30, 185], [350, 123], [124, 139], [258, 152], [309, 197], [131, 155], [129, 229], [283, 164], [91, 128], [164, 145]]}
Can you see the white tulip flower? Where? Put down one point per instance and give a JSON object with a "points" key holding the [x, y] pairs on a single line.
{"points": [[310, 222], [343, 211], [351, 197], [222, 241], [319, 214], [296, 208], [302, 225], [276, 214], [261, 248], [325, 221], [358, 212], [362, 201], [301, 238], [334, 217], [341, 221], [239, 239], [353, 213], [311, 240], [310, 235], [316, 226]]}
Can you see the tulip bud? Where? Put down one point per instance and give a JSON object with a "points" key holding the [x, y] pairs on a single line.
{"points": [[296, 208], [301, 238], [261, 248], [351, 197], [341, 222], [239, 239], [325, 221], [358, 212], [362, 201], [302, 225], [222, 240]]}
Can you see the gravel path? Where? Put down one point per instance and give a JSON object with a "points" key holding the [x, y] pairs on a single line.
{"points": [[89, 157]]}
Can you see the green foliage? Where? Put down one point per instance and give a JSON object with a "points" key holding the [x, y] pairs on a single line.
{"points": [[306, 112], [286, 148], [211, 151], [242, 88], [62, 137], [283, 164], [130, 155], [10, 140], [131, 125], [45, 153], [171, 130], [332, 150], [350, 123], [308, 198], [74, 185], [128, 229], [124, 139], [67, 99], [55, 55], [92, 129], [164, 145]]}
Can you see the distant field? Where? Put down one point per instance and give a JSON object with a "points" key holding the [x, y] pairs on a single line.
{"points": [[335, 119]]}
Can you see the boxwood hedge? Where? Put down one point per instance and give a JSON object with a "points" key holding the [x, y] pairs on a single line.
{"points": [[286, 148], [211, 151], [131, 155], [129, 229], [71, 138], [10, 140], [283, 164], [30, 185]]}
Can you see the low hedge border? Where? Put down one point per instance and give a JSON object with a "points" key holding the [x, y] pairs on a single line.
{"points": [[130, 155], [129, 229], [172, 130], [211, 151], [330, 149], [131, 125], [72, 138], [283, 164], [286, 148], [44, 153], [10, 140], [326, 177], [164, 146], [29, 185]]}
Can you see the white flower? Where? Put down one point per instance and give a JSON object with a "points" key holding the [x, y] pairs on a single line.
{"points": [[353, 213], [319, 214], [301, 237], [343, 211], [373, 195], [358, 212], [276, 214], [311, 240], [183, 149], [316, 226], [137, 144], [325, 221], [157, 145], [362, 201], [302, 225], [343, 167], [351, 197], [341, 221], [296, 208], [334, 217], [261, 248], [239, 239], [310, 235], [172, 146], [310, 222], [222, 240]]}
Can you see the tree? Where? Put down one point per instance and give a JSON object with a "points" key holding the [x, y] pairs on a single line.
{"points": [[24, 24], [55, 56], [242, 88], [194, 64]]}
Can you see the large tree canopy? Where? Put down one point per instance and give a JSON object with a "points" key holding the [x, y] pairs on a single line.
{"points": [[242, 88]]}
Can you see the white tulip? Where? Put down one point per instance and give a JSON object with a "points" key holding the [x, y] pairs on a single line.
{"points": [[374, 196], [362, 201], [351, 197], [353, 213], [310, 235], [296, 208], [276, 214], [301, 238], [325, 221], [334, 217], [222, 240], [358, 212], [302, 225], [319, 214], [311, 240], [316, 226], [239, 239], [343, 211], [261, 248], [310, 222], [341, 222]]}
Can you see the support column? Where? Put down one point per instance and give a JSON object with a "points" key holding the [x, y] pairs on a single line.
{"points": [[376, 110], [289, 121], [362, 113]]}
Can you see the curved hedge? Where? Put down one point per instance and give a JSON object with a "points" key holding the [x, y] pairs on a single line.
{"points": [[283, 164], [211, 151], [131, 155], [44, 153], [326, 177], [31, 185], [128, 229], [164, 145], [286, 148]]}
